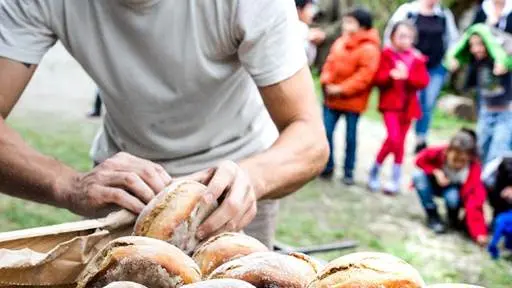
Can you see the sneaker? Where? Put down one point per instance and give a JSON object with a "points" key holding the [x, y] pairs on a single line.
{"points": [[349, 181], [434, 221], [326, 175], [374, 182], [374, 185], [420, 147], [436, 225], [392, 189], [93, 114]]}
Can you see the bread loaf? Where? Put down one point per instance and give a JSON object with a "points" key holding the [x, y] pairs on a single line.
{"points": [[368, 270], [224, 248], [124, 284], [146, 261], [269, 269], [175, 214], [220, 283]]}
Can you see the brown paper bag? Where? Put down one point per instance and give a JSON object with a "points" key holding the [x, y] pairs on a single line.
{"points": [[55, 255]]}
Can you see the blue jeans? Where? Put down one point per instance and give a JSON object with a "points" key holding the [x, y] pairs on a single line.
{"points": [[331, 118], [428, 98], [427, 189], [494, 131]]}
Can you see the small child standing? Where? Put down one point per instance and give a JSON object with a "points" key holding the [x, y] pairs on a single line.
{"points": [[346, 79], [453, 173], [402, 73]]}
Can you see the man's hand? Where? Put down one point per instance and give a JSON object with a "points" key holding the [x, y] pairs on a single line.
{"points": [[123, 180], [499, 69], [441, 178], [229, 182], [333, 90], [507, 194], [316, 36]]}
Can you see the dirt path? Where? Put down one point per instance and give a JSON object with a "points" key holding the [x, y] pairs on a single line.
{"points": [[322, 211], [60, 88]]}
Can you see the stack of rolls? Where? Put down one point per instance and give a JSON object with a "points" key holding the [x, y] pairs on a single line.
{"points": [[158, 256]]}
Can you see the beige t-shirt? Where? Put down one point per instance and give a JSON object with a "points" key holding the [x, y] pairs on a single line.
{"points": [[179, 78]]}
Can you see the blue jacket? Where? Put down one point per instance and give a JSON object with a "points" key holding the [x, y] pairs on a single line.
{"points": [[503, 228]]}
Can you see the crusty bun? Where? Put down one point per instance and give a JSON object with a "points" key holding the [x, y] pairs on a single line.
{"points": [[269, 269], [174, 215], [368, 270], [224, 248], [220, 283], [453, 286], [150, 262], [124, 284]]}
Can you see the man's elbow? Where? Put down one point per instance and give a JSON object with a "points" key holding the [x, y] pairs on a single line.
{"points": [[320, 154]]}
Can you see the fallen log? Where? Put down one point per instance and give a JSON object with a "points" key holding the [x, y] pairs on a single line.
{"points": [[458, 106]]}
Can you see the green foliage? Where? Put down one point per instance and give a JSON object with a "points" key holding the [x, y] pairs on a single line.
{"points": [[67, 142]]}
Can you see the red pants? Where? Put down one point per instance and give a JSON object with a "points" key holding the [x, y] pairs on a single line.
{"points": [[397, 125]]}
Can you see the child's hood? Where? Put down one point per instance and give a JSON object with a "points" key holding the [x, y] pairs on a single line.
{"points": [[370, 36]]}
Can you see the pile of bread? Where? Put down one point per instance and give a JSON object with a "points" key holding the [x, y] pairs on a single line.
{"points": [[157, 256]]}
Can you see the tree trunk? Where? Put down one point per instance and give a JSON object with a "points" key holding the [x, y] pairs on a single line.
{"points": [[460, 7]]}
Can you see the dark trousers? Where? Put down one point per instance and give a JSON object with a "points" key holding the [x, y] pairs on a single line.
{"points": [[97, 105], [331, 118]]}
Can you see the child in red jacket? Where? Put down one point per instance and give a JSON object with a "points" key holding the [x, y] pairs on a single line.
{"points": [[453, 173], [402, 73]]}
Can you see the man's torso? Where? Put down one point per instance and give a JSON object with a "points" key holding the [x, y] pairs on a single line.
{"points": [[170, 72]]}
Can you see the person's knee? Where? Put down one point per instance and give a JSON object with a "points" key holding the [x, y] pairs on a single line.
{"points": [[395, 143], [452, 199], [420, 180]]}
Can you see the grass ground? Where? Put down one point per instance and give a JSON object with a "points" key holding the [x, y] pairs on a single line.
{"points": [[320, 213]]}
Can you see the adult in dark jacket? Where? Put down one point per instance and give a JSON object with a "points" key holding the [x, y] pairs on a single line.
{"points": [[497, 13]]}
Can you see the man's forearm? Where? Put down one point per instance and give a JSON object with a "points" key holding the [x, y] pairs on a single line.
{"points": [[298, 155], [25, 173]]}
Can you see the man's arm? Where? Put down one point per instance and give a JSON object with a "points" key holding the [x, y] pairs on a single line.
{"points": [[301, 151], [271, 52], [124, 180], [298, 155]]}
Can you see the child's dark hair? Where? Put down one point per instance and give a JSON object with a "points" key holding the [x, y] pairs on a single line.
{"points": [[465, 140], [407, 23], [302, 3], [504, 177], [363, 16]]}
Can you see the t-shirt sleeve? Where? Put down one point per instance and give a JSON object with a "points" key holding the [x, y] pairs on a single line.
{"points": [[25, 33], [270, 44]]}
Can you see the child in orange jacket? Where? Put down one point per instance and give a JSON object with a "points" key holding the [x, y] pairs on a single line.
{"points": [[347, 82]]}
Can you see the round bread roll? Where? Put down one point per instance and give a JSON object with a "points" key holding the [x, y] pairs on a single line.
{"points": [[368, 270], [175, 214], [150, 262], [220, 283], [224, 248], [453, 286], [124, 284], [269, 269]]}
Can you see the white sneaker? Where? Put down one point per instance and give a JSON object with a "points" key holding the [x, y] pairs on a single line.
{"points": [[374, 185], [392, 188]]}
